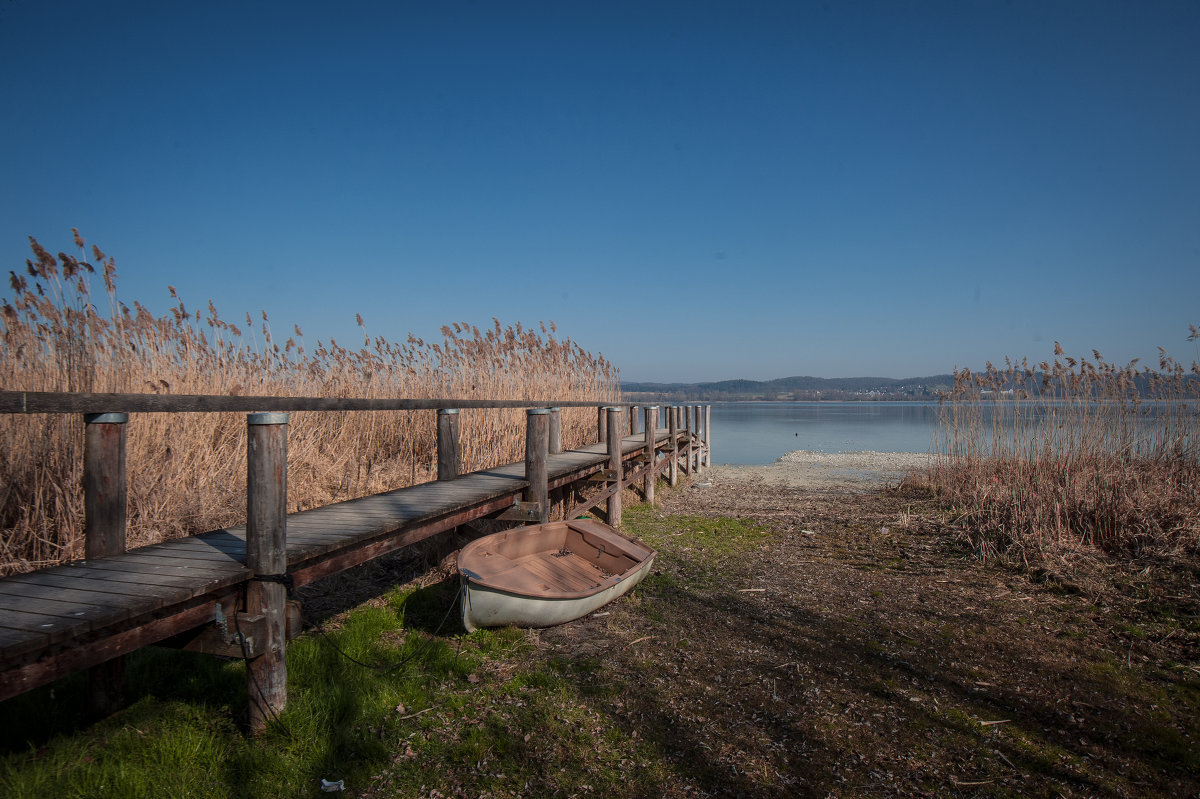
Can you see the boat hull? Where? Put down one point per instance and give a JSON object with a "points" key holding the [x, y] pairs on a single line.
{"points": [[491, 607], [545, 575]]}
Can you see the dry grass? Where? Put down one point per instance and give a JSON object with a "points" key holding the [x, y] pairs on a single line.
{"points": [[186, 472], [1071, 455]]}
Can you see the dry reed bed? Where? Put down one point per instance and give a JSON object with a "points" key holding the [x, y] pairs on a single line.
{"points": [[186, 472], [1073, 454]]}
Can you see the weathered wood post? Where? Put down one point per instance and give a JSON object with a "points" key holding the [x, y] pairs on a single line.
{"points": [[266, 558], [708, 436], [615, 425], [602, 424], [633, 420], [694, 449], [537, 438], [699, 439], [554, 447], [673, 430], [104, 500], [447, 443], [651, 429], [683, 449], [681, 427], [691, 439]]}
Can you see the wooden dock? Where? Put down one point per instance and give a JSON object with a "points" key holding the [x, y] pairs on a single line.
{"points": [[224, 592]]}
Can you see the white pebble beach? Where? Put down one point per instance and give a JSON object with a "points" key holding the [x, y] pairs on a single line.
{"points": [[806, 469]]}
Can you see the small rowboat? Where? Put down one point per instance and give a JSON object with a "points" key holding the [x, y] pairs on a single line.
{"points": [[547, 574]]}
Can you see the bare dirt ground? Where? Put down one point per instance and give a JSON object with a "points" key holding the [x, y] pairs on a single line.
{"points": [[854, 646], [860, 650]]}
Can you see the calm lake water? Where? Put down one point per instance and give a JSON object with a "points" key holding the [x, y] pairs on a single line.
{"points": [[755, 433]]}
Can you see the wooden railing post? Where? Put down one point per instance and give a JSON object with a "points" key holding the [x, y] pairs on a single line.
{"points": [[651, 430], [681, 427], [691, 439], [266, 558], [708, 436], [615, 425], [104, 500], [555, 447], [673, 430], [447, 444], [537, 436], [633, 420], [555, 444], [602, 424], [685, 427], [699, 453], [690, 411]]}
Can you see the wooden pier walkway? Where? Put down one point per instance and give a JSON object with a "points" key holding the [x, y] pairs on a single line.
{"points": [[192, 592]]}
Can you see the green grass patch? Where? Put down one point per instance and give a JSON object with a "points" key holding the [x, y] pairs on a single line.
{"points": [[694, 553], [1131, 630], [714, 536]]}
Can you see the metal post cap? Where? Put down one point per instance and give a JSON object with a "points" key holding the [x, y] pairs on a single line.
{"points": [[105, 418], [537, 411], [272, 417]]}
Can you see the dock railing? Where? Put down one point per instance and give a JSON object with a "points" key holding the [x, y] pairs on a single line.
{"points": [[185, 592]]}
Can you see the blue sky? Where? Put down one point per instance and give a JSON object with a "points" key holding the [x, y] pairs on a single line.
{"points": [[697, 190]]}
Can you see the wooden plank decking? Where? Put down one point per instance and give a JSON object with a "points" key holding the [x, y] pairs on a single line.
{"points": [[69, 617]]}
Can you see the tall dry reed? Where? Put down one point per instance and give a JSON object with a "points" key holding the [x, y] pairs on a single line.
{"points": [[187, 472], [1074, 453]]}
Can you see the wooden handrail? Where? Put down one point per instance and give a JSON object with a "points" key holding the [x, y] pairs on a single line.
{"points": [[70, 402]]}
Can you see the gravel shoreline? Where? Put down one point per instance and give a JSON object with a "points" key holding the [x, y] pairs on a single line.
{"points": [[824, 470]]}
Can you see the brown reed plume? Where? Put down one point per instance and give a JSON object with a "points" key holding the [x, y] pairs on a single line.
{"points": [[1071, 454], [186, 472]]}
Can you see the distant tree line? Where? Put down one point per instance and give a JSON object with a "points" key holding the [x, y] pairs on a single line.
{"points": [[1019, 383], [793, 389]]}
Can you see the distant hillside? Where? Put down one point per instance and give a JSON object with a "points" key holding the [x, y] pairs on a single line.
{"points": [[794, 388]]}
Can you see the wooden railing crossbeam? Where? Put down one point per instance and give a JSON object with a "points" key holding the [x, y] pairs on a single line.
{"points": [[63, 402]]}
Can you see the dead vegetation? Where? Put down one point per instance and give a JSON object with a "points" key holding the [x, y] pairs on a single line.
{"points": [[1071, 455], [187, 471], [861, 650], [794, 642]]}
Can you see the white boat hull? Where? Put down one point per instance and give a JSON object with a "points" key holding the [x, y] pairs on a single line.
{"points": [[483, 606]]}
